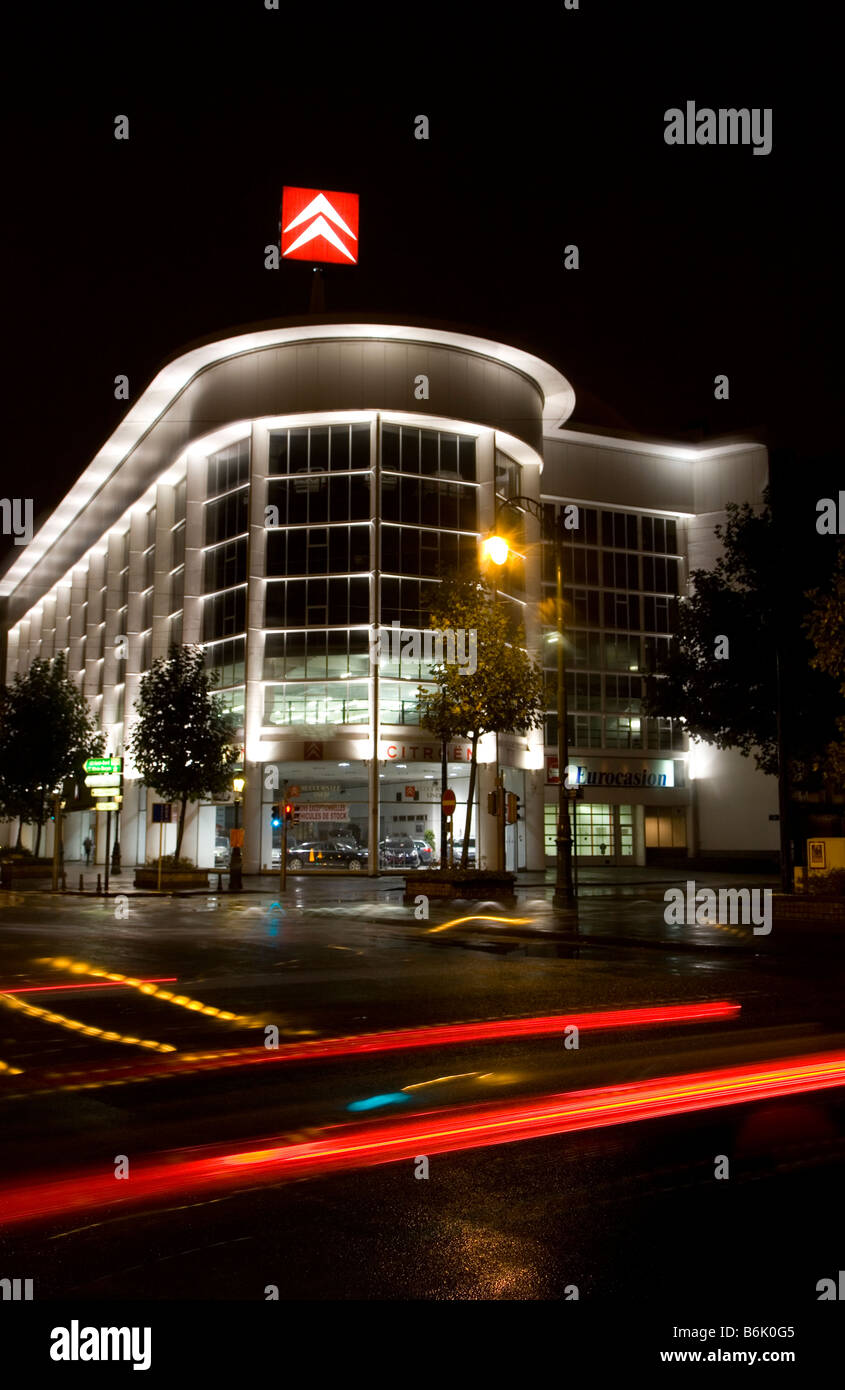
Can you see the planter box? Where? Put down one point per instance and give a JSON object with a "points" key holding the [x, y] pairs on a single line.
{"points": [[474, 884], [13, 869], [172, 880]]}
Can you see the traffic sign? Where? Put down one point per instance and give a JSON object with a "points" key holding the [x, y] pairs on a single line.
{"points": [[449, 801], [162, 812], [99, 765], [107, 806]]}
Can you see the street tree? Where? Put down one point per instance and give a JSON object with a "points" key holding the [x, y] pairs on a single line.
{"points": [[47, 731], [742, 627], [825, 626], [183, 741], [503, 694]]}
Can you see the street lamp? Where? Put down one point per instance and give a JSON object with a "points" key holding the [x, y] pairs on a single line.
{"points": [[236, 862], [496, 549]]}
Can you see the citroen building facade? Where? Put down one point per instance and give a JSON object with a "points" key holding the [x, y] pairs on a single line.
{"points": [[285, 495]]}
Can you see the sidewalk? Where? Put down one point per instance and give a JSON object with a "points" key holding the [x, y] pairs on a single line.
{"points": [[621, 907]]}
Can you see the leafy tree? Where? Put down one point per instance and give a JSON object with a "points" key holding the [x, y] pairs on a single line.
{"points": [[46, 733], [720, 675], [825, 626], [505, 692], [183, 743]]}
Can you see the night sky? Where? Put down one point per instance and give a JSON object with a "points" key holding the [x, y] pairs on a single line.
{"points": [[546, 129]]}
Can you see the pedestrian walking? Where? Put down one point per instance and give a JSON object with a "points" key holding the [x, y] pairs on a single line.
{"points": [[88, 845]]}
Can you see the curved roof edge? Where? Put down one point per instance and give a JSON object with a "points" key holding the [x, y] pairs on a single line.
{"points": [[558, 399]]}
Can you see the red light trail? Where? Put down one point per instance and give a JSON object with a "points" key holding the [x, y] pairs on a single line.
{"points": [[345, 1147], [395, 1040]]}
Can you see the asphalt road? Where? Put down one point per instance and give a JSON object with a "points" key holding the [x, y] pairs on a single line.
{"points": [[631, 1211]]}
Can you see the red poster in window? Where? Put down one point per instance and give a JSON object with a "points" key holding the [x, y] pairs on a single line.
{"points": [[318, 225]]}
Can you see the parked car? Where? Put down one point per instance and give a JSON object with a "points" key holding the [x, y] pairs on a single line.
{"points": [[398, 852], [459, 849], [325, 854], [425, 853], [222, 851]]}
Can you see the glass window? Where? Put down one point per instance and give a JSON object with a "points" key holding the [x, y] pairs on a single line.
{"points": [[658, 613], [660, 534], [319, 449], [226, 517], [660, 574], [623, 732], [621, 610], [337, 702], [227, 659], [225, 566], [619, 529], [224, 614], [228, 468]]}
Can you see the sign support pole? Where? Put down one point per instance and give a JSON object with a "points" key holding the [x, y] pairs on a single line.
{"points": [[108, 838], [283, 866], [57, 813], [160, 841]]}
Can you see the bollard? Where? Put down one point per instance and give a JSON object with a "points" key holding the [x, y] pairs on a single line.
{"points": [[81, 884], [99, 887], [64, 881], [219, 881]]}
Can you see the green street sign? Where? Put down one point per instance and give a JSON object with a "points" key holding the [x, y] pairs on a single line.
{"points": [[100, 765]]}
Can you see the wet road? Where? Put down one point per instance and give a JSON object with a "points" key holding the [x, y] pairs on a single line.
{"points": [[633, 1210]]}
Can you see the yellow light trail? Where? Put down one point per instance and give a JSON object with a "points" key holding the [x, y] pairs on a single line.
{"points": [[74, 1026], [182, 1001], [482, 917]]}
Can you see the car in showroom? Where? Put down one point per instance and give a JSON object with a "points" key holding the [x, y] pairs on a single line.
{"points": [[398, 852], [324, 854], [425, 853]]}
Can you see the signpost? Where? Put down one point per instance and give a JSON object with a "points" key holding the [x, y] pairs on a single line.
{"points": [[99, 766], [104, 781]]}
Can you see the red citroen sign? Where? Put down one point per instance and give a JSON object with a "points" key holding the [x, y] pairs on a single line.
{"points": [[319, 226]]}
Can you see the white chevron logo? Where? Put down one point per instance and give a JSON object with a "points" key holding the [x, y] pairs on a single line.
{"points": [[320, 227]]}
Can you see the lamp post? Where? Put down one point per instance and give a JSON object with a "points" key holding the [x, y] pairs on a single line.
{"points": [[58, 848], [497, 549], [236, 882]]}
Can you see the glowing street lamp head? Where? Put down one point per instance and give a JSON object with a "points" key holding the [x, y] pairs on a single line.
{"points": [[495, 548], [238, 783]]}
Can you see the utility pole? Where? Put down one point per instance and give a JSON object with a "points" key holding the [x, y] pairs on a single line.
{"points": [[564, 894]]}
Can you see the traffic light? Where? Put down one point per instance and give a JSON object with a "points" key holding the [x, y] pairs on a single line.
{"points": [[276, 815], [289, 812], [491, 803], [513, 808]]}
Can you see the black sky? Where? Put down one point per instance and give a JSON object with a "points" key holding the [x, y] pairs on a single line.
{"points": [[546, 129]]}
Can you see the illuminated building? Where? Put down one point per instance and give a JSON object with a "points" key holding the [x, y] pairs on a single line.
{"points": [[280, 494]]}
